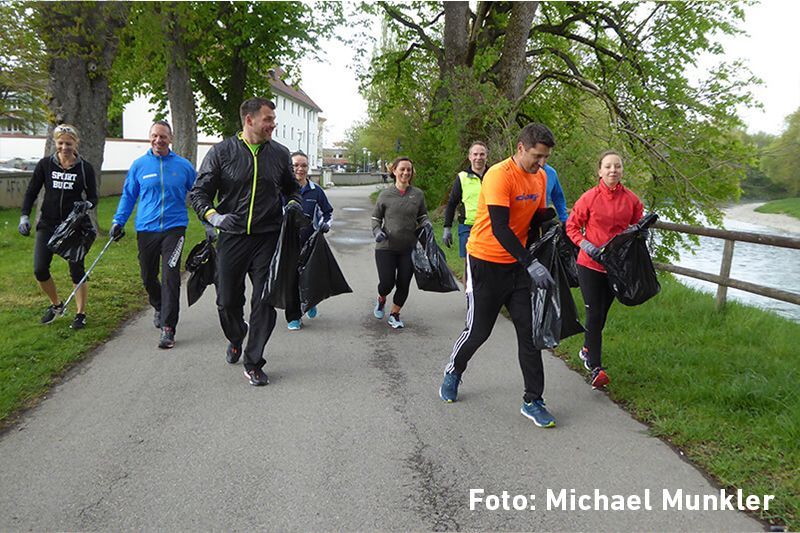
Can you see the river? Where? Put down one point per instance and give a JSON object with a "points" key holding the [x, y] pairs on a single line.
{"points": [[765, 265]]}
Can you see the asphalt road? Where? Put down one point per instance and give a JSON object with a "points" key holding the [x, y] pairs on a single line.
{"points": [[349, 435]]}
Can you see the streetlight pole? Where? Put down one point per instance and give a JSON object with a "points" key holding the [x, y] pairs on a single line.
{"points": [[364, 151]]}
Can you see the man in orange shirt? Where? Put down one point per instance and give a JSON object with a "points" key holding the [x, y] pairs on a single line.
{"points": [[500, 271]]}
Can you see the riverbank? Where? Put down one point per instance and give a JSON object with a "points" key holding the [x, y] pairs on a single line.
{"points": [[747, 213]]}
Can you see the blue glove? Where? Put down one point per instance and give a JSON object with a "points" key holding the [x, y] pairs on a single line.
{"points": [[590, 249], [380, 235], [447, 237], [540, 276], [225, 222], [116, 232], [24, 225]]}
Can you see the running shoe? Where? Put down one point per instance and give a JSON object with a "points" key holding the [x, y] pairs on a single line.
{"points": [[167, 339], [378, 312], [157, 319], [79, 322], [257, 377], [312, 313], [537, 412], [52, 312], [448, 392], [599, 378], [295, 325], [233, 353], [395, 322]]}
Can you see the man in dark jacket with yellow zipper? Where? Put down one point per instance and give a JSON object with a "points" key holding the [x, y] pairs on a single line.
{"points": [[246, 173]]}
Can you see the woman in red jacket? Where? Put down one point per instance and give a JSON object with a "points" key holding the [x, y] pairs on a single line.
{"points": [[599, 215]]}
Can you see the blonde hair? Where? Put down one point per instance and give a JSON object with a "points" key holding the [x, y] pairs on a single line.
{"points": [[66, 129]]}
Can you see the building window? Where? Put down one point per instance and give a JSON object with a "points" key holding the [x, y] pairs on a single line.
{"points": [[284, 104], [292, 137]]}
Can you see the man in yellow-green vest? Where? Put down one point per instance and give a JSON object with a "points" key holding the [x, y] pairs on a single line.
{"points": [[464, 196]]}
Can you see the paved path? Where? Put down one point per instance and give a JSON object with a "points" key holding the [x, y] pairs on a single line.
{"points": [[349, 435]]}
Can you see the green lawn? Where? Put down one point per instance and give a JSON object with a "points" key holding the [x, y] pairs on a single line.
{"points": [[722, 387], [32, 356], [786, 206]]}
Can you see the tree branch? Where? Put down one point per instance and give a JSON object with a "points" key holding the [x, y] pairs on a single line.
{"points": [[428, 43]]}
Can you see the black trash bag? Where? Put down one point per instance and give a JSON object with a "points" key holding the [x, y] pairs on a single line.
{"points": [[430, 265], [73, 237], [281, 288], [554, 314], [628, 264], [319, 273], [569, 255], [201, 263]]}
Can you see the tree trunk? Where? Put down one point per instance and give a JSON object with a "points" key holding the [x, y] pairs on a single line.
{"points": [[456, 36], [513, 68], [180, 93], [81, 39]]}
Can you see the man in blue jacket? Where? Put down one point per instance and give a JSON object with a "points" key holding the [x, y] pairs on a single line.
{"points": [[555, 194], [159, 181]]}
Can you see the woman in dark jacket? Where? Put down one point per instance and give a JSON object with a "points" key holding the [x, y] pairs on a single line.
{"points": [[67, 179], [399, 212]]}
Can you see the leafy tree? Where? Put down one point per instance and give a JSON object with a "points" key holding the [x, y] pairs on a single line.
{"points": [[80, 40], [600, 74], [210, 56], [782, 157], [23, 75]]}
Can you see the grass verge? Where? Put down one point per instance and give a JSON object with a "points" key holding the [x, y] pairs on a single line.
{"points": [[33, 357], [785, 206], [722, 387]]}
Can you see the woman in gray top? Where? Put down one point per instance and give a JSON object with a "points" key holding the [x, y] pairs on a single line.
{"points": [[399, 212]]}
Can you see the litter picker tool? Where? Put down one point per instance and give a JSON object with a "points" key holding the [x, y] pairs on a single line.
{"points": [[86, 276]]}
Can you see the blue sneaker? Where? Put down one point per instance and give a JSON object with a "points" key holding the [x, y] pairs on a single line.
{"points": [[378, 312], [537, 412], [448, 392], [312, 313], [295, 325]]}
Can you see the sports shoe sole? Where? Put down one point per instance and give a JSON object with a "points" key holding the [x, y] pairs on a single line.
{"points": [[551, 424], [600, 381], [166, 345]]}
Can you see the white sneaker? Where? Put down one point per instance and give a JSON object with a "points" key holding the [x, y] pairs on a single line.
{"points": [[395, 322]]}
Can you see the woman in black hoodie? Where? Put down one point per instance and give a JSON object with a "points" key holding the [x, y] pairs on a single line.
{"points": [[67, 179]]}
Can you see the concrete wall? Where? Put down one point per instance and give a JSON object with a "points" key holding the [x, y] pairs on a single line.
{"points": [[359, 178], [13, 186]]}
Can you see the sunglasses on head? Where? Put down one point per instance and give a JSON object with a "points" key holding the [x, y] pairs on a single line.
{"points": [[61, 128]]}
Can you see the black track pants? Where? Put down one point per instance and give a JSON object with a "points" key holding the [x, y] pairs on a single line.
{"points": [[598, 297], [162, 250], [490, 286], [239, 256], [42, 257], [394, 271]]}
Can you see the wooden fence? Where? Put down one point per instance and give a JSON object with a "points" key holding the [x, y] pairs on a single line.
{"points": [[723, 280]]}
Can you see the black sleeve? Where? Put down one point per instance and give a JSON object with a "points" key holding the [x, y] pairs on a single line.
{"points": [[34, 186], [289, 186], [452, 203], [498, 215], [205, 186], [91, 183]]}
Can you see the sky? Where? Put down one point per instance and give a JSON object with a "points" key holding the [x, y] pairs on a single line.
{"points": [[769, 50]]}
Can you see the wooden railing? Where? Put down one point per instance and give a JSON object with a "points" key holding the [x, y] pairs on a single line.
{"points": [[723, 280]]}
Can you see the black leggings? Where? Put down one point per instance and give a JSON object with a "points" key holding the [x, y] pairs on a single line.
{"points": [[598, 297], [394, 270], [42, 257]]}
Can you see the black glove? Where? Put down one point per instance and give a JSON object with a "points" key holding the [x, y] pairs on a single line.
{"points": [[543, 215], [540, 276], [645, 233], [116, 232], [447, 237], [590, 249], [83, 205], [325, 227], [380, 235], [24, 225], [427, 224], [226, 222], [211, 233]]}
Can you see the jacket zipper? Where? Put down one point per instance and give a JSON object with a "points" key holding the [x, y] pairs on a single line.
{"points": [[253, 193], [161, 168]]}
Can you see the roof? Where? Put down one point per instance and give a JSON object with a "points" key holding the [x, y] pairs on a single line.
{"points": [[278, 85]]}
